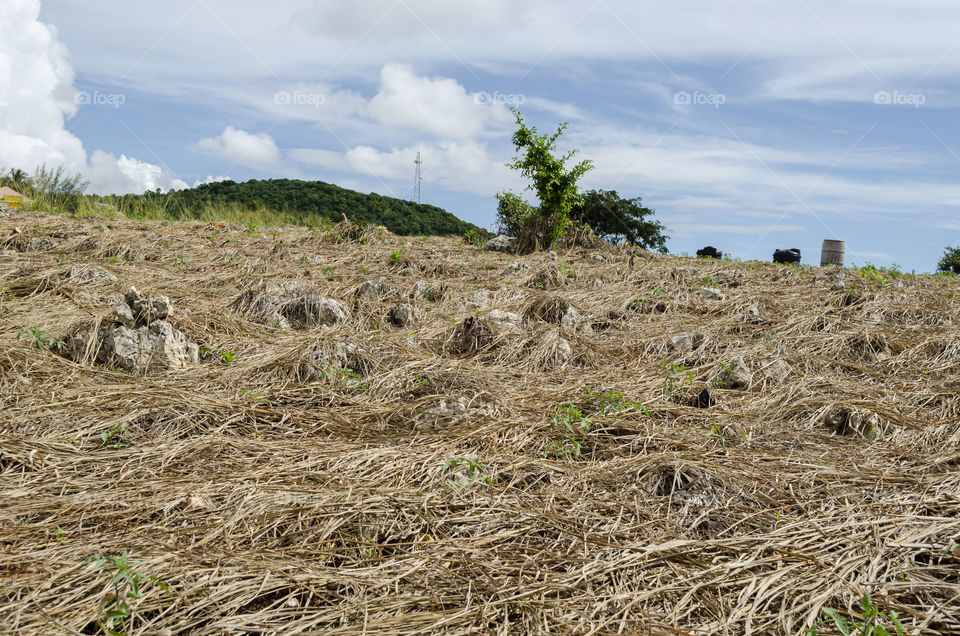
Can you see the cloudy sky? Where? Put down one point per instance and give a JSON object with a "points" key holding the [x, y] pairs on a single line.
{"points": [[749, 125]]}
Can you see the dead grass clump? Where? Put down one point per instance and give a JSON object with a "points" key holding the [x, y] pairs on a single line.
{"points": [[470, 336], [289, 305], [850, 421], [552, 309], [547, 279]]}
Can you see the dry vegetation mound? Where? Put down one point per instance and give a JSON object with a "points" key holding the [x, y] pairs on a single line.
{"points": [[595, 441]]}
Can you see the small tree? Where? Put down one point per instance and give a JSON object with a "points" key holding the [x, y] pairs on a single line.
{"points": [[618, 219], [950, 261], [556, 186]]}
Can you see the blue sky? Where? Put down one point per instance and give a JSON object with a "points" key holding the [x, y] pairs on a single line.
{"points": [[749, 125]]}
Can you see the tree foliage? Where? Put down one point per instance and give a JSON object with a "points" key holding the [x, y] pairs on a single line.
{"points": [[950, 261], [616, 219], [554, 183]]}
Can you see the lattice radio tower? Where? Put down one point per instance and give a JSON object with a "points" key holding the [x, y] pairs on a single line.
{"points": [[416, 179]]}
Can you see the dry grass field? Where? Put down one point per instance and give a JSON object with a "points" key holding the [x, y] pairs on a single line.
{"points": [[549, 471]]}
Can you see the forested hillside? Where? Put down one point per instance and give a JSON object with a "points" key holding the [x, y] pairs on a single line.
{"points": [[306, 201]]}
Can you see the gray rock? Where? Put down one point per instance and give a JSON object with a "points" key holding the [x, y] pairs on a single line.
{"points": [[90, 276], [501, 243], [514, 268], [505, 320], [328, 358], [686, 342], [124, 315], [546, 279], [404, 315], [735, 375], [776, 371], [158, 345], [552, 255], [561, 353], [450, 407], [598, 258], [374, 290], [710, 293], [160, 308], [477, 299], [294, 304]]}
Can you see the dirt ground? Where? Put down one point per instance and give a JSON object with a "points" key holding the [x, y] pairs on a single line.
{"points": [[553, 466]]}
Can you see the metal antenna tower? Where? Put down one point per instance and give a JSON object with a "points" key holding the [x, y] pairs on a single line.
{"points": [[416, 179]]}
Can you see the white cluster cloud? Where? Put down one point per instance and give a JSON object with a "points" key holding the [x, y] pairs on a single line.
{"points": [[242, 147], [37, 96]]}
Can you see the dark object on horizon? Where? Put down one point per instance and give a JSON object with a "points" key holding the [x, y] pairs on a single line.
{"points": [[710, 251], [787, 257]]}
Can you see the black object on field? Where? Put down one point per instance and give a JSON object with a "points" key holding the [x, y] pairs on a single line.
{"points": [[704, 399], [710, 251], [787, 257]]}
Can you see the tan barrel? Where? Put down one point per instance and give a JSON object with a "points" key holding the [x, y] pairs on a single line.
{"points": [[832, 253]]}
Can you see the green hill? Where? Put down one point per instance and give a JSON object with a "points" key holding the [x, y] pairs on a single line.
{"points": [[305, 202]]}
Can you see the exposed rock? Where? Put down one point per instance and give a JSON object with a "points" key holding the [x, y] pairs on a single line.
{"points": [[560, 353], [552, 255], [373, 290], [90, 276], [5, 210], [686, 342], [505, 320], [138, 340], [709, 293], [735, 375], [90, 244], [776, 371], [598, 258], [426, 291], [546, 279], [330, 357], [514, 268], [501, 243], [291, 304], [404, 315], [477, 299]]}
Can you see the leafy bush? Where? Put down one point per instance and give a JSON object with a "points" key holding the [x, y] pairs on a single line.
{"points": [[555, 184], [950, 261]]}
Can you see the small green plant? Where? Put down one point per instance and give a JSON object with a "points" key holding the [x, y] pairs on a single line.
{"points": [[397, 256], [674, 374], [475, 237], [116, 611], [613, 402], [328, 271], [252, 228], [875, 622], [880, 275], [182, 263], [226, 357], [474, 470], [304, 258], [566, 270], [255, 398], [710, 280], [432, 293], [726, 373], [112, 437], [42, 340], [573, 428]]}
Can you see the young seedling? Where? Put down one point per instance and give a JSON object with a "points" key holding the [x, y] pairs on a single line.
{"points": [[116, 613]]}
